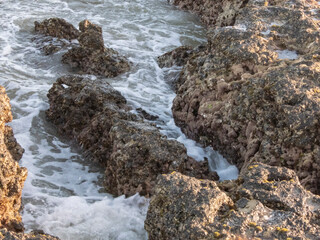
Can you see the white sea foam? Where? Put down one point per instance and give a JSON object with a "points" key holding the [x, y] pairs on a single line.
{"points": [[287, 54], [62, 194]]}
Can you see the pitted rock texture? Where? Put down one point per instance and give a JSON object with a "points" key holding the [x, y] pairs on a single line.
{"points": [[253, 92], [57, 27], [92, 57], [12, 176], [132, 151], [34, 235], [218, 13], [264, 203]]}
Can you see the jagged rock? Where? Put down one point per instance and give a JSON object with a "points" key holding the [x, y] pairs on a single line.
{"points": [[248, 98], [12, 176], [146, 115], [34, 235], [217, 13], [266, 203], [92, 56], [132, 151], [178, 56], [57, 27]]}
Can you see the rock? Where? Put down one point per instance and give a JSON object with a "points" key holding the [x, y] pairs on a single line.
{"points": [[212, 13], [57, 27], [12, 176], [266, 203], [146, 115], [56, 34], [253, 93], [132, 151], [34, 235], [92, 57], [178, 57]]}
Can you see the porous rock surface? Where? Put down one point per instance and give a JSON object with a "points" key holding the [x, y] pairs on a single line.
{"points": [[132, 151], [57, 27], [92, 57], [34, 235], [12, 176], [266, 202], [253, 93]]}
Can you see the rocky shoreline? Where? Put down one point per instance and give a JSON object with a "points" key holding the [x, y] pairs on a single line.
{"points": [[252, 92]]}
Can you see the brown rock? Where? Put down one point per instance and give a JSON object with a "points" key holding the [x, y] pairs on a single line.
{"points": [[57, 27], [265, 203], [218, 13], [133, 152], [240, 98], [34, 235], [12, 176], [92, 57]]}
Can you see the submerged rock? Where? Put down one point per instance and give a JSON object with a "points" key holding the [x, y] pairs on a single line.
{"points": [[266, 203], [132, 151], [92, 56], [12, 176], [253, 93]]}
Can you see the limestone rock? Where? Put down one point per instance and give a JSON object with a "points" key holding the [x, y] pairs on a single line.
{"points": [[218, 13], [12, 176], [92, 57], [132, 151], [266, 203], [57, 27], [252, 94], [39, 235], [178, 57]]}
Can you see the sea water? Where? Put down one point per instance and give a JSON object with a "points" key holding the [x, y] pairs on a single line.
{"points": [[63, 194]]}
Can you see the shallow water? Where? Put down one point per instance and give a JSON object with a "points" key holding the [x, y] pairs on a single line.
{"points": [[62, 194]]}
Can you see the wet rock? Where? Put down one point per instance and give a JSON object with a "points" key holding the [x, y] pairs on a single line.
{"points": [[34, 235], [55, 34], [92, 57], [217, 13], [178, 57], [57, 27], [252, 94], [132, 151], [266, 203], [146, 115], [12, 176]]}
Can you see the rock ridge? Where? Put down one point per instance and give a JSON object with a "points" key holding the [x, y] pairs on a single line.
{"points": [[133, 151]]}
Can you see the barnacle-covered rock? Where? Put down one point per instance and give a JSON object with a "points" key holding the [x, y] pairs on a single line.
{"points": [[12, 176], [92, 56], [132, 151], [57, 27], [264, 203], [253, 93]]}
